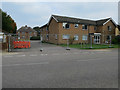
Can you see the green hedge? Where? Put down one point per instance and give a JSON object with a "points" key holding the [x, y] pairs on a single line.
{"points": [[35, 38], [116, 40]]}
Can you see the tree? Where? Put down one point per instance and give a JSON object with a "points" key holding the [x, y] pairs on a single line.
{"points": [[37, 29], [71, 40], [8, 23]]}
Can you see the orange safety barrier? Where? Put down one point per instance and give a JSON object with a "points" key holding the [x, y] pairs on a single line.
{"points": [[21, 44]]}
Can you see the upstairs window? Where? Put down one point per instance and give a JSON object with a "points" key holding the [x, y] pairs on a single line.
{"points": [[18, 33], [46, 28], [84, 27], [95, 27], [109, 28], [66, 25], [76, 25]]}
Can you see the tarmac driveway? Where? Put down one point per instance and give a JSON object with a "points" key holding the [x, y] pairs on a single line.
{"points": [[56, 67]]}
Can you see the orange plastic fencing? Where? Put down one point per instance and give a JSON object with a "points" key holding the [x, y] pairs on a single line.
{"points": [[21, 44]]}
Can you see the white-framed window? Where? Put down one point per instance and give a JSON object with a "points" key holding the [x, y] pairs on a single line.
{"points": [[109, 37], [84, 27], [66, 25], [95, 27], [30, 33], [66, 36], [109, 28], [46, 28], [76, 37], [23, 32], [76, 25], [18, 33], [84, 37], [56, 36]]}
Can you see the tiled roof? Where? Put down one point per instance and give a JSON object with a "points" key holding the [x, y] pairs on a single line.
{"points": [[79, 21], [26, 29], [43, 26]]}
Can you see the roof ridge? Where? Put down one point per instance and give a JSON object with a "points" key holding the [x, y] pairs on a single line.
{"points": [[72, 17]]}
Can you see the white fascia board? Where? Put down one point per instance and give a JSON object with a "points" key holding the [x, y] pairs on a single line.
{"points": [[55, 19], [51, 18], [109, 20]]}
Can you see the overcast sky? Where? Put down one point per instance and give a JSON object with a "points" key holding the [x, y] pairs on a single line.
{"points": [[38, 13]]}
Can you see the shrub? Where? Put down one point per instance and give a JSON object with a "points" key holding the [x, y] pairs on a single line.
{"points": [[116, 40], [71, 40], [35, 38]]}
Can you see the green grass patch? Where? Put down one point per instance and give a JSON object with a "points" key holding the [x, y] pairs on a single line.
{"points": [[87, 46]]}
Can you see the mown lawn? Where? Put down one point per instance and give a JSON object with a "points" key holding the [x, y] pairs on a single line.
{"points": [[87, 46]]}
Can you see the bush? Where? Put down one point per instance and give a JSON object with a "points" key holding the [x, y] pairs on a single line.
{"points": [[116, 40], [35, 38]]}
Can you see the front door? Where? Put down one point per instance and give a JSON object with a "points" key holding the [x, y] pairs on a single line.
{"points": [[97, 39]]}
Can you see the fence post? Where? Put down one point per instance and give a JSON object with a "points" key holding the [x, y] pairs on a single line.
{"points": [[110, 42], [91, 41], [41, 49], [67, 45], [9, 43]]}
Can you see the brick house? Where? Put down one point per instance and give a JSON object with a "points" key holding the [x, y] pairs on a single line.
{"points": [[61, 28], [117, 30], [44, 33], [26, 33]]}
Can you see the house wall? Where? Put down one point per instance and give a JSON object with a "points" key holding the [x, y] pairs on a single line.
{"points": [[44, 32], [27, 35], [117, 32], [53, 31], [74, 31], [56, 28], [105, 32]]}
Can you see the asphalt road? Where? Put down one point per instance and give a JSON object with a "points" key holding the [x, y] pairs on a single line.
{"points": [[57, 68]]}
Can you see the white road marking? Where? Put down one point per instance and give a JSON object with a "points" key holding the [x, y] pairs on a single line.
{"points": [[27, 64], [88, 60], [43, 54], [33, 55], [97, 59], [76, 53], [7, 56], [66, 53], [21, 55], [55, 54]]}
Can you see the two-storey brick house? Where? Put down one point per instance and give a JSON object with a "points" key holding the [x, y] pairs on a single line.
{"points": [[26, 32], [61, 28]]}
